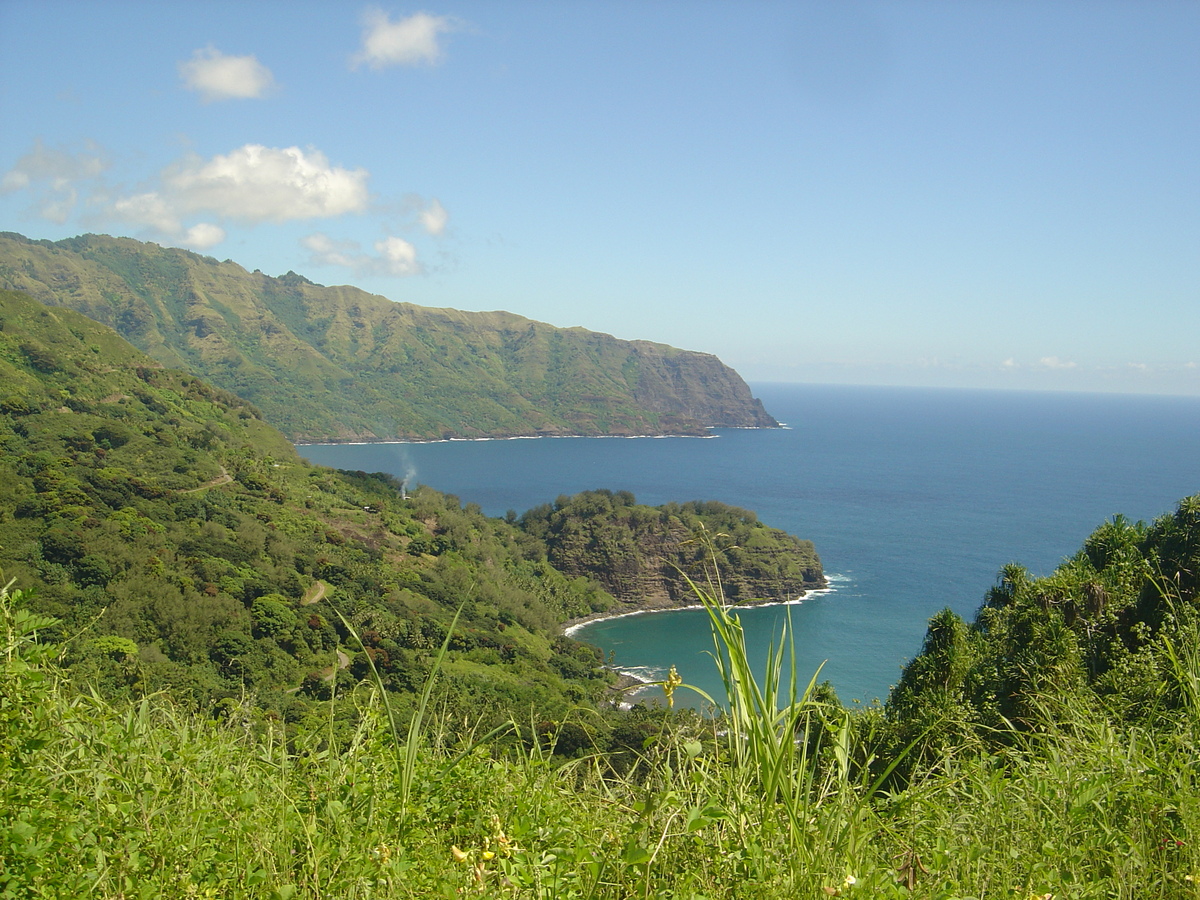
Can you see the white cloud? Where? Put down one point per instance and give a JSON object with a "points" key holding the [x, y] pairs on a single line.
{"points": [[405, 42], [53, 176], [252, 184], [434, 217], [259, 184], [396, 256], [203, 235], [149, 209], [399, 257], [59, 201], [216, 76], [15, 179], [1053, 362]]}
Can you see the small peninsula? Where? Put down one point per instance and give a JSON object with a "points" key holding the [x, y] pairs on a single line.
{"points": [[644, 555]]}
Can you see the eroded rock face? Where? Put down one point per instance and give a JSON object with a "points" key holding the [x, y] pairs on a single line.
{"points": [[697, 386], [336, 363]]}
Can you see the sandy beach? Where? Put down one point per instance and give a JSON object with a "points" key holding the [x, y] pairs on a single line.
{"points": [[572, 626]]}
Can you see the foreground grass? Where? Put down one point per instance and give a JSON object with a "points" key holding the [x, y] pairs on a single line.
{"points": [[150, 800]]}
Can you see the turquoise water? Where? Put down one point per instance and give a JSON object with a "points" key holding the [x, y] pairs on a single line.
{"points": [[914, 498]]}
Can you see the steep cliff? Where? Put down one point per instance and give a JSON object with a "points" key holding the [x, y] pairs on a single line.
{"points": [[337, 363]]}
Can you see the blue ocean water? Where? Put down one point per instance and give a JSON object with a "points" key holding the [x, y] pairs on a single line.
{"points": [[914, 498]]}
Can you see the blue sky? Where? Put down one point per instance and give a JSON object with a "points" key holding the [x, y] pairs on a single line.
{"points": [[975, 194]]}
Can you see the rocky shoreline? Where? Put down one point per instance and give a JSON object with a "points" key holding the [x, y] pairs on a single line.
{"points": [[706, 432], [662, 604]]}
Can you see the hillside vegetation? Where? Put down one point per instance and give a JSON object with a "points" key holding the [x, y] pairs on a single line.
{"points": [[1068, 783], [337, 363], [192, 547]]}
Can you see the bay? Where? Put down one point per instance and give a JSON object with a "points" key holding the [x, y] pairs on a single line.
{"points": [[914, 498]]}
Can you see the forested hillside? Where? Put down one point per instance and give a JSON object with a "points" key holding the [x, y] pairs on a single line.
{"points": [[1115, 628], [337, 363], [186, 544], [1047, 751]]}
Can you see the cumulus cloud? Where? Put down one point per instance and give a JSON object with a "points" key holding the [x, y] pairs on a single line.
{"points": [[216, 76], [395, 256], [412, 41], [53, 175], [398, 256], [203, 235], [251, 185], [149, 209], [259, 184], [192, 201], [433, 218], [325, 251]]}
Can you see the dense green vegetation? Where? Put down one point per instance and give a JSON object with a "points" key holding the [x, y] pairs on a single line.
{"points": [[188, 547], [644, 555], [1091, 793], [336, 363], [1113, 629]]}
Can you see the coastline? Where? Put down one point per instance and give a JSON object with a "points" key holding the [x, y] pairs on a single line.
{"points": [[571, 627], [708, 432], [512, 437], [629, 684]]}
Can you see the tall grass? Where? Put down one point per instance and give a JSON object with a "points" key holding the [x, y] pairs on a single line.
{"points": [[152, 800]]}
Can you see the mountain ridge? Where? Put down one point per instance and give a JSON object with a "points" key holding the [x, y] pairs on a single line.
{"points": [[340, 364]]}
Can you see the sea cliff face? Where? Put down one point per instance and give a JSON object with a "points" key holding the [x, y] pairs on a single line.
{"points": [[339, 364]]}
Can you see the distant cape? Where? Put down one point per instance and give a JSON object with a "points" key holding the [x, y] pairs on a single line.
{"points": [[340, 364]]}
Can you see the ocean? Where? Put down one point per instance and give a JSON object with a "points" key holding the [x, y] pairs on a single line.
{"points": [[915, 498]]}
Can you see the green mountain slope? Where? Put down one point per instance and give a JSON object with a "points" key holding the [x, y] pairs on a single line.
{"points": [[336, 363], [1047, 750], [185, 543]]}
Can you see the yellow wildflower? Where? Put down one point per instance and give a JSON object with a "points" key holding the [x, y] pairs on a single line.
{"points": [[673, 681]]}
